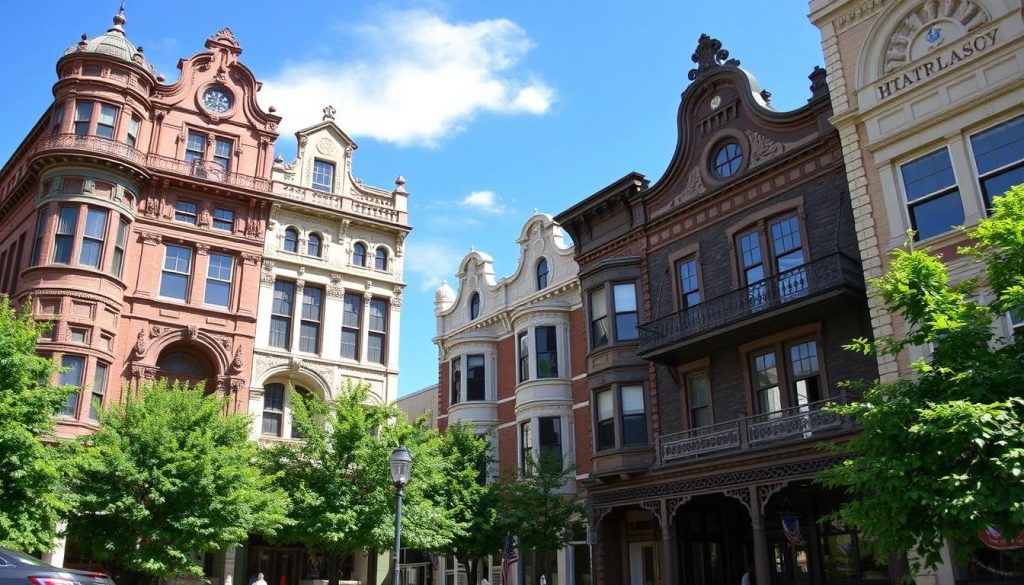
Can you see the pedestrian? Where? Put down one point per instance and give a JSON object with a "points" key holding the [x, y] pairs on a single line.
{"points": [[745, 579], [259, 580]]}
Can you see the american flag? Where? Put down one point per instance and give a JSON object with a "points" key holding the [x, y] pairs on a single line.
{"points": [[509, 555]]}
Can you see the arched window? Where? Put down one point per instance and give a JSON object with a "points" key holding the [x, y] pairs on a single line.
{"points": [[314, 245], [474, 305], [380, 259], [359, 254], [542, 273], [182, 362], [291, 240]]}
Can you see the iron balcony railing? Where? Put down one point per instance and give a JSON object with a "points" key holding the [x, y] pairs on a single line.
{"points": [[819, 276], [750, 432]]}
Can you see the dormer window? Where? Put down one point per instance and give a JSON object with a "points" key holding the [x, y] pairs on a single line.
{"points": [[323, 176]]}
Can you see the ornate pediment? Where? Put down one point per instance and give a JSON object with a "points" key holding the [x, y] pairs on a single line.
{"points": [[928, 26]]}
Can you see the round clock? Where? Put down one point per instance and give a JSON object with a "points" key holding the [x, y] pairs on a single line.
{"points": [[217, 100]]}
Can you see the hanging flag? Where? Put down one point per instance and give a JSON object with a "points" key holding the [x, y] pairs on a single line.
{"points": [[791, 527], [509, 555], [992, 537]]}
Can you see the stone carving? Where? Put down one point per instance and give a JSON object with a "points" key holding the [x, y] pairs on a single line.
{"points": [[329, 112], [144, 372], [694, 186], [267, 278], [141, 344], [897, 50], [236, 362], [204, 216], [252, 259], [709, 56], [151, 238], [396, 299], [157, 331], [225, 342], [202, 249], [326, 146], [335, 289], [191, 332], [762, 148]]}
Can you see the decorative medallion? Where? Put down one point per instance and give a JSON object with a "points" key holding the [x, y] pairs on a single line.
{"points": [[715, 102], [326, 146], [217, 100]]}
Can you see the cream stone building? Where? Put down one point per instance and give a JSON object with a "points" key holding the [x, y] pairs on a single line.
{"points": [[928, 98], [331, 283]]}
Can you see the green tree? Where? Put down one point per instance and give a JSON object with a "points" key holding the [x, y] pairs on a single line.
{"points": [[167, 475], [942, 453], [537, 510], [339, 479], [32, 498]]}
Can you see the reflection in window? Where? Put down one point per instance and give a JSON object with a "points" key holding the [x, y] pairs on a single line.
{"points": [[182, 362], [634, 418], [92, 240], [626, 315], [547, 352], [218, 280], [291, 240], [359, 254], [698, 399], [73, 374], [314, 245], [727, 160], [64, 239], [176, 271], [474, 305], [524, 356], [273, 409], [766, 382], [309, 326], [999, 156], [542, 273], [550, 435], [689, 286], [933, 199], [185, 211], [223, 219], [605, 419], [351, 319], [598, 318], [475, 377], [378, 326], [281, 314], [323, 176]]}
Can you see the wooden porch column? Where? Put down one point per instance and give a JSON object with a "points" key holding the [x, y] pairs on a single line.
{"points": [[762, 566]]}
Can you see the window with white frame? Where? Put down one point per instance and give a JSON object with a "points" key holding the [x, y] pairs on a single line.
{"points": [[933, 199], [223, 219], [689, 283], [323, 175], [546, 350], [133, 130], [476, 383], [186, 211], [222, 153], [359, 254], [549, 435], [64, 239], [786, 374], [91, 252], [218, 280], [999, 158], [526, 447], [174, 278], [620, 417], [195, 147]]}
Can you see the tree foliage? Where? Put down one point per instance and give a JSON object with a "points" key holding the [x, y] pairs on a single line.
{"points": [[942, 452], [169, 474], [31, 493]]}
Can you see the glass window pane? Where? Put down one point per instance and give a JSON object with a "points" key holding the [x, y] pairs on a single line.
{"points": [[323, 175], [90, 253], [99, 387], [605, 405], [998, 184], [378, 315], [804, 359], [999, 146], [107, 114], [547, 352], [217, 293], [937, 215], [632, 400], [223, 219], [284, 295], [929, 174], [312, 299], [625, 297], [598, 304], [220, 267], [353, 310], [785, 235], [174, 286], [96, 223], [349, 344], [634, 429], [375, 348], [280, 331]]}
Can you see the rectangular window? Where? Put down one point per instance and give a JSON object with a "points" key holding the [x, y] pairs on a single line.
{"points": [[222, 152], [1016, 323], [79, 335], [218, 280], [106, 122], [456, 380], [526, 447], [476, 388], [626, 315], [133, 131], [73, 375], [933, 200], [309, 326], [698, 399], [323, 175], [378, 327], [37, 244], [689, 286], [598, 318], [766, 382], [99, 388], [605, 410], [804, 369], [56, 120], [223, 219], [91, 253], [83, 115], [281, 314], [752, 267], [350, 324], [547, 351], [524, 356], [185, 211], [550, 435], [117, 263], [64, 240], [195, 147], [176, 272], [787, 246], [273, 409], [634, 417], [999, 156]]}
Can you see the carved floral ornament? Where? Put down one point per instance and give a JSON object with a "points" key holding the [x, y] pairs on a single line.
{"points": [[709, 56], [928, 26]]}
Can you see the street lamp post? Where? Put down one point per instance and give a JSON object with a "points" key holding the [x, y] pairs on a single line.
{"points": [[401, 470]]}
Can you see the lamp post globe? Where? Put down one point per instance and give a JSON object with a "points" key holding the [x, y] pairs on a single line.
{"points": [[401, 472]]}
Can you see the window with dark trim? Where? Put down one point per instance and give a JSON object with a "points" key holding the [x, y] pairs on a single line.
{"points": [[195, 147], [698, 399], [474, 305], [542, 273], [620, 416], [281, 314], [626, 314], [291, 240], [309, 325], [476, 381], [273, 409], [783, 259], [222, 153], [549, 433], [380, 259], [351, 324], [73, 375], [117, 262], [91, 252], [546, 347], [359, 254], [106, 121], [786, 375], [634, 416], [456, 381], [376, 344], [64, 239], [133, 131], [525, 447], [37, 244], [933, 199], [999, 157], [523, 342], [605, 415], [621, 306], [314, 245], [689, 282], [727, 160], [57, 119]]}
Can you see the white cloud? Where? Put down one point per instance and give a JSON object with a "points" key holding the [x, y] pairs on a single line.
{"points": [[429, 262], [484, 201], [419, 79]]}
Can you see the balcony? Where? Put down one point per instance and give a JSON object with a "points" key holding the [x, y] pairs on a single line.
{"points": [[89, 145], [379, 208], [824, 278], [206, 171], [808, 421]]}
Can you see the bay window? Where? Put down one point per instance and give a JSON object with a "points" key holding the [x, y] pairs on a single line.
{"points": [[550, 440], [617, 319], [64, 239], [620, 415], [91, 253], [73, 375], [476, 388]]}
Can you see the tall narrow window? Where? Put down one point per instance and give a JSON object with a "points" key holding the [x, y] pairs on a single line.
{"points": [[526, 446], [698, 399], [547, 351], [766, 382], [91, 253], [222, 153], [273, 409], [474, 305], [107, 120], [605, 410], [186, 211], [933, 200], [83, 115], [117, 262], [309, 327], [626, 315], [542, 273], [323, 176], [598, 318], [634, 417], [550, 435], [789, 256], [523, 341], [133, 131], [314, 245], [195, 147], [223, 219], [64, 239], [350, 324], [37, 244], [99, 388], [475, 378], [281, 314], [57, 119], [804, 369], [689, 285], [380, 259], [218, 280], [999, 156], [456, 389], [73, 375], [291, 240], [376, 344], [177, 268], [359, 254], [303, 395]]}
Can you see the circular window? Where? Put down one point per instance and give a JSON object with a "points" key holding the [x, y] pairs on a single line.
{"points": [[217, 100], [727, 160]]}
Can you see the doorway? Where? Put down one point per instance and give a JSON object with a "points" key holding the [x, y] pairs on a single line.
{"points": [[644, 563], [279, 565]]}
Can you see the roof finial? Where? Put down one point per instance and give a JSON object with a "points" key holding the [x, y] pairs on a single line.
{"points": [[119, 18], [329, 112]]}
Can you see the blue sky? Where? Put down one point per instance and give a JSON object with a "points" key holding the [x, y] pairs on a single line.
{"points": [[490, 109]]}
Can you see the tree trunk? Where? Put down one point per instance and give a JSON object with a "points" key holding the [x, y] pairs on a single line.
{"points": [[472, 566], [332, 568]]}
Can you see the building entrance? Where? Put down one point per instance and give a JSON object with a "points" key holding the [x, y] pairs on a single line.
{"points": [[279, 565]]}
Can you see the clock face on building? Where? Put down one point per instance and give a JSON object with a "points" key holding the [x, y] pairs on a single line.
{"points": [[216, 100]]}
